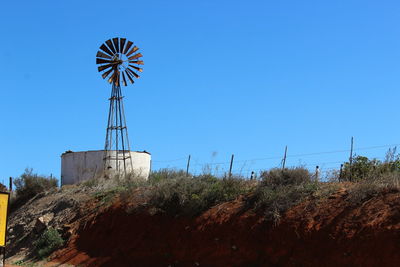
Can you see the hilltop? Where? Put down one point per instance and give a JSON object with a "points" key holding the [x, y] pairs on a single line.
{"points": [[284, 219]]}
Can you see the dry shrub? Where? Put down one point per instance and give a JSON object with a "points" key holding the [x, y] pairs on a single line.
{"points": [[164, 174], [281, 190], [278, 177], [363, 191], [171, 191], [30, 184], [191, 196], [3, 188]]}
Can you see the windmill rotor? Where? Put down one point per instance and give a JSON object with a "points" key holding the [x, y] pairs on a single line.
{"points": [[118, 57]]}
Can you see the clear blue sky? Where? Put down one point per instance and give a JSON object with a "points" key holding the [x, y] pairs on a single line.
{"points": [[220, 77]]}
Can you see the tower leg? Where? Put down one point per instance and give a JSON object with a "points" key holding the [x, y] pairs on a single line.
{"points": [[117, 156]]}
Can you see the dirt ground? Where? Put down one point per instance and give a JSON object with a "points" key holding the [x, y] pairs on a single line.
{"points": [[330, 231], [57, 209]]}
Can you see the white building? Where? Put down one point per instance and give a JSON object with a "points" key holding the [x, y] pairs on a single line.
{"points": [[77, 167]]}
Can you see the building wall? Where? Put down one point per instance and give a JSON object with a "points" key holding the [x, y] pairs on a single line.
{"points": [[77, 167]]}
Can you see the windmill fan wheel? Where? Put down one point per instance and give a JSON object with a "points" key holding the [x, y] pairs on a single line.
{"points": [[118, 58]]}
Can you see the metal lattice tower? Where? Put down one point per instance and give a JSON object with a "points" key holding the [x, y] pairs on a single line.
{"points": [[117, 146], [117, 61]]}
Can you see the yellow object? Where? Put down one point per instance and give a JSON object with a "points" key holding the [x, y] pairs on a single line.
{"points": [[3, 218]]}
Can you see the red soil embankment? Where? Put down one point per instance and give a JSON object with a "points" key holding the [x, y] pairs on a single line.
{"points": [[330, 232]]}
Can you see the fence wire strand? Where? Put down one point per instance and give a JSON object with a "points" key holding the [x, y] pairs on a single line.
{"points": [[198, 167]]}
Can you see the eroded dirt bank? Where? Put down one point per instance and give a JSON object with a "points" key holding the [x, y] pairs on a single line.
{"points": [[326, 232]]}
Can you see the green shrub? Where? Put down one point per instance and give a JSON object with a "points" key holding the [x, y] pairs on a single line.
{"points": [[48, 242], [191, 196], [3, 188], [278, 177], [164, 174], [274, 201], [360, 169], [227, 189], [106, 196], [363, 168], [29, 185], [130, 182], [281, 190]]}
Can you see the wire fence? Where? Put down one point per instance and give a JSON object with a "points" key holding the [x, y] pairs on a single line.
{"points": [[253, 166]]}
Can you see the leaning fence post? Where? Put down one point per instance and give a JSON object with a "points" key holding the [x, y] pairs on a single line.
{"points": [[187, 166], [284, 159], [230, 168], [351, 159]]}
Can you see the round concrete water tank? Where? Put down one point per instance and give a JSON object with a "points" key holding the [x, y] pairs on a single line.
{"points": [[80, 166]]}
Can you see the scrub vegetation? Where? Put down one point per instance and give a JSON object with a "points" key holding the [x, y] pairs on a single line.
{"points": [[29, 185], [43, 215], [176, 193], [49, 241]]}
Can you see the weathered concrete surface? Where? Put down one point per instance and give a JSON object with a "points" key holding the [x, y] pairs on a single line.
{"points": [[77, 167]]}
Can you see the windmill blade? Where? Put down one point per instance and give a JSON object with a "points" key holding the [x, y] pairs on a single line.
{"points": [[101, 54], [123, 79], [110, 45], [138, 55], [122, 44], [103, 61], [112, 66], [128, 45], [133, 73], [136, 68], [105, 74], [138, 62], [112, 77], [134, 49], [105, 49], [116, 44], [129, 76], [101, 68]]}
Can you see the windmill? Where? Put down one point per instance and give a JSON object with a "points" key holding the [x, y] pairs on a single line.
{"points": [[118, 62]]}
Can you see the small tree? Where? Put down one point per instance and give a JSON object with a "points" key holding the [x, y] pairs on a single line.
{"points": [[363, 168], [30, 184], [360, 169]]}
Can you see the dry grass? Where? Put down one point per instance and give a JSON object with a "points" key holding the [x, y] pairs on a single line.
{"points": [[281, 190]]}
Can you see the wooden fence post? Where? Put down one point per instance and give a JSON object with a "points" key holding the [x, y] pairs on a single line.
{"points": [[351, 159], [284, 159], [187, 166], [230, 168]]}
